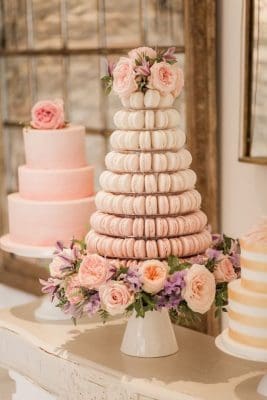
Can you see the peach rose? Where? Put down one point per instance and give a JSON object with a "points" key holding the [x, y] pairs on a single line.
{"points": [[124, 83], [94, 271], [179, 81], [142, 51], [115, 297], [153, 274], [163, 77], [224, 271], [199, 291], [47, 114], [73, 290]]}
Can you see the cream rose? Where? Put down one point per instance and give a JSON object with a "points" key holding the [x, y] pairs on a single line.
{"points": [[94, 271], [163, 77], [55, 267], [47, 114], [153, 275], [124, 83], [115, 297], [199, 291], [224, 271], [73, 290], [142, 51]]}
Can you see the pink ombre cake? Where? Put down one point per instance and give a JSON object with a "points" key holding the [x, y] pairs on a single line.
{"points": [[55, 198]]}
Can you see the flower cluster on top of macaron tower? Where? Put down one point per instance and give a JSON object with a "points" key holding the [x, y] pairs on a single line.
{"points": [[143, 69], [83, 283], [48, 114]]}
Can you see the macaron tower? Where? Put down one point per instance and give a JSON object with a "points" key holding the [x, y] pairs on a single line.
{"points": [[148, 206]]}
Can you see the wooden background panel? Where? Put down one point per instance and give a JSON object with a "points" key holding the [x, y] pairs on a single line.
{"points": [[201, 112]]}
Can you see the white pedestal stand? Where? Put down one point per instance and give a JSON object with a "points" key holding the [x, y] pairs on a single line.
{"points": [[46, 311], [151, 336], [228, 346]]}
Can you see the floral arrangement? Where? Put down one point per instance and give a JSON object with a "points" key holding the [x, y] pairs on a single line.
{"points": [[83, 283], [48, 114], [145, 68]]}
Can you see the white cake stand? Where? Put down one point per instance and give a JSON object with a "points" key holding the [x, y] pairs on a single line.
{"points": [[46, 310], [224, 343]]}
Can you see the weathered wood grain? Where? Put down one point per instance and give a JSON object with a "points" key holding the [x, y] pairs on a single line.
{"points": [[201, 111]]}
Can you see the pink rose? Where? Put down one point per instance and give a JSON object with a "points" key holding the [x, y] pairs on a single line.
{"points": [[199, 291], [47, 114], [163, 77], [224, 271], [153, 275], [179, 81], [94, 271], [141, 52], [115, 297], [73, 290], [124, 83]]}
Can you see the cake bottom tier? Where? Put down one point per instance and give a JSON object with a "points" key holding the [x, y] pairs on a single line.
{"points": [[247, 313], [43, 223], [140, 249]]}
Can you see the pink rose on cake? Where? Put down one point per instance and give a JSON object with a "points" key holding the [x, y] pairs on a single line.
{"points": [[115, 297], [224, 271], [94, 271], [73, 290], [153, 275], [124, 83], [200, 287], [47, 114], [140, 52], [163, 77]]}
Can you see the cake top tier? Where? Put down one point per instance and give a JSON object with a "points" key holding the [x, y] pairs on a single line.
{"points": [[145, 68], [256, 238]]}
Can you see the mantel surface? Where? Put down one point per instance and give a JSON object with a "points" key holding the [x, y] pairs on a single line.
{"points": [[84, 362]]}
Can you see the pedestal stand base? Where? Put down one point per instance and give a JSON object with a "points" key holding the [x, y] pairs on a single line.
{"points": [[151, 336], [229, 346], [48, 312], [24, 250]]}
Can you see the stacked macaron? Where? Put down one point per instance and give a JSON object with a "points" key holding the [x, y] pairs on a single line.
{"points": [[140, 227], [148, 206], [148, 162], [140, 249], [148, 183], [168, 139]]}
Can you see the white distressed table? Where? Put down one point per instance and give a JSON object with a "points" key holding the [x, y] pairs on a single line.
{"points": [[56, 361]]}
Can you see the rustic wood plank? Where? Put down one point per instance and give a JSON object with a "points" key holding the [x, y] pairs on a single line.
{"points": [[201, 111]]}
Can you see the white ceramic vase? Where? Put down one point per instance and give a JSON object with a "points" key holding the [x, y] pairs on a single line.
{"points": [[151, 336]]}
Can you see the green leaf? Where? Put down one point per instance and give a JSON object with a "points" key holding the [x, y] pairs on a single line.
{"points": [[104, 315], [175, 264]]}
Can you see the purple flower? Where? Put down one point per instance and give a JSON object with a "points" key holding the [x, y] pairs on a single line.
{"points": [[50, 286], [235, 259], [214, 254], [92, 305], [199, 259], [143, 69], [171, 295], [169, 54], [132, 279]]}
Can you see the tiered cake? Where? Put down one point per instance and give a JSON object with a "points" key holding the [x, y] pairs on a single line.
{"points": [[55, 187], [148, 207], [248, 295]]}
